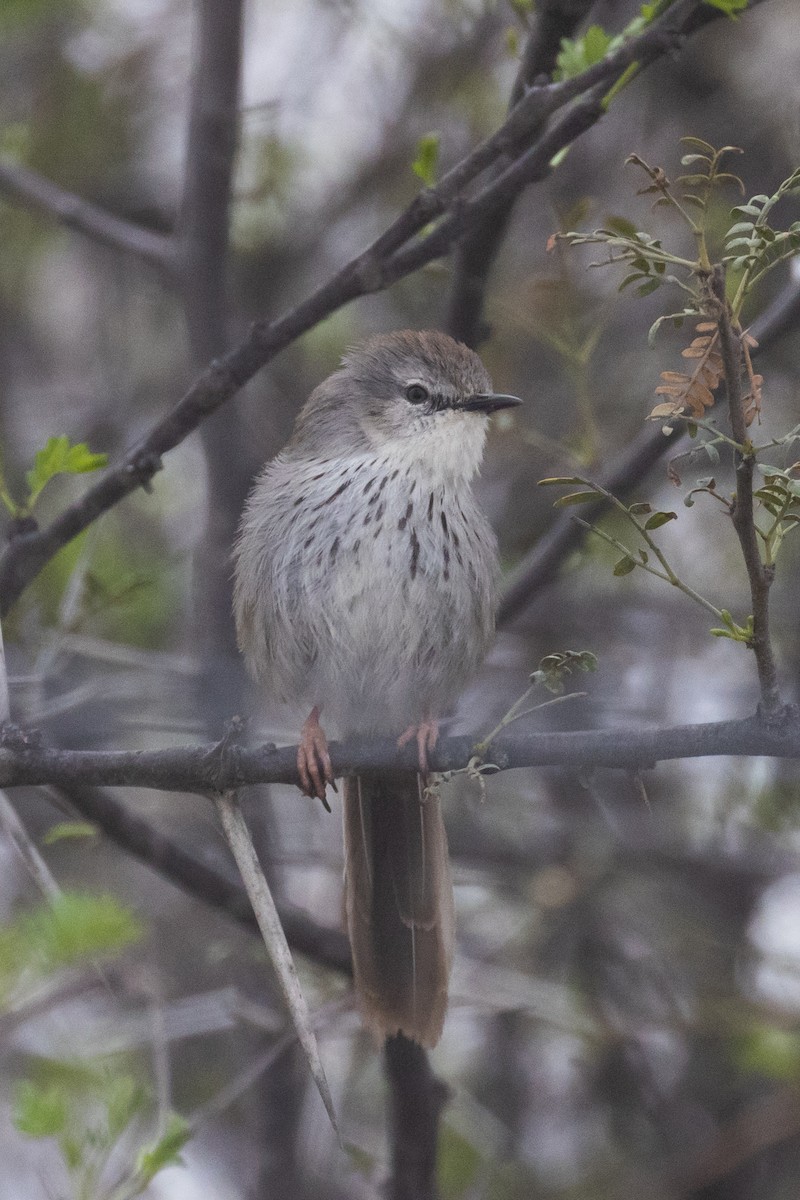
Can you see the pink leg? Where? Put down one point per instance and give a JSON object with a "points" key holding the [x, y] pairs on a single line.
{"points": [[426, 735], [313, 760]]}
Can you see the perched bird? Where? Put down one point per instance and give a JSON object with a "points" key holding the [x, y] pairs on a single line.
{"points": [[365, 589]]}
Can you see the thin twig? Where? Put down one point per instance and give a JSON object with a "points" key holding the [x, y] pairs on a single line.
{"points": [[759, 574], [269, 922]]}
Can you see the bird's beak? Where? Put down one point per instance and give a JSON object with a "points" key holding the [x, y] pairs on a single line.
{"points": [[489, 402]]}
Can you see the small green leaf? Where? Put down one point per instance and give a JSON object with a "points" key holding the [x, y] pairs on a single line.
{"points": [[40, 1111], [166, 1151], [552, 479], [459, 1162], [60, 458], [638, 510], [624, 565], [574, 498], [730, 7], [68, 829], [659, 518], [426, 163]]}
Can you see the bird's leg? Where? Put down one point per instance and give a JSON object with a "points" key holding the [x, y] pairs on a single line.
{"points": [[426, 735], [313, 759]]}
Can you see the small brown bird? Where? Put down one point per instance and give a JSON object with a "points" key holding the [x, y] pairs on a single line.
{"points": [[365, 588]]}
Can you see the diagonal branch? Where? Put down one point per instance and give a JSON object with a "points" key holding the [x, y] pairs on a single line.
{"points": [[551, 22], [373, 269], [22, 184]]}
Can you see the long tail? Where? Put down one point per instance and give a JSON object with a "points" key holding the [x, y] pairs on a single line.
{"points": [[399, 904]]}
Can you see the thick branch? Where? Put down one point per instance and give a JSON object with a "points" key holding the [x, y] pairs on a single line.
{"points": [[373, 269], [759, 574], [20, 183], [223, 766]]}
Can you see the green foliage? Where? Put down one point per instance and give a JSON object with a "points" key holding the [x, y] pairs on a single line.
{"points": [[458, 1165], [90, 1108], [68, 830], [577, 54], [730, 629], [765, 1050], [749, 244], [165, 1151], [58, 457], [731, 8], [752, 245], [555, 668], [425, 165], [72, 929]]}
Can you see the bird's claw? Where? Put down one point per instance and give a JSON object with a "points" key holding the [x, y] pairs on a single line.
{"points": [[313, 760], [426, 735]]}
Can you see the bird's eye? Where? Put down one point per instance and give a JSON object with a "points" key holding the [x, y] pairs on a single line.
{"points": [[416, 393]]}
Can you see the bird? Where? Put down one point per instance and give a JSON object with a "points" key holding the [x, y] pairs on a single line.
{"points": [[364, 590]]}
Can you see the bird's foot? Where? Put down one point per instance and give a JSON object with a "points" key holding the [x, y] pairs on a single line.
{"points": [[313, 759], [426, 735]]}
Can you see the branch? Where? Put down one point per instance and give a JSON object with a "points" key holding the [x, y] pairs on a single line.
{"points": [[370, 271], [759, 574], [539, 566], [552, 21], [274, 939], [417, 1098], [23, 184], [136, 836], [225, 766]]}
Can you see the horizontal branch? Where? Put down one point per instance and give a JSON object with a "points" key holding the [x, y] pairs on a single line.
{"points": [[226, 765], [23, 184], [380, 264]]}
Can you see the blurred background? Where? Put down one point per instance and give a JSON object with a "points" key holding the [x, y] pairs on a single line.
{"points": [[625, 1012]]}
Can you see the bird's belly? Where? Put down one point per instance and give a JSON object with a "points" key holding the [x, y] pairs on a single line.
{"points": [[393, 646]]}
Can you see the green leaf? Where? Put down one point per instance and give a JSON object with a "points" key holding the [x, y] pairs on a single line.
{"points": [[166, 1151], [579, 53], [659, 518], [574, 498], [560, 479], [458, 1164], [64, 830], [40, 1110], [60, 458], [771, 1052], [624, 565], [729, 7], [638, 510], [426, 163]]}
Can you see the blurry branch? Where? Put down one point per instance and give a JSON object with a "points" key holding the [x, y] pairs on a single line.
{"points": [[202, 232], [382, 263], [416, 1100], [762, 1125], [226, 765], [23, 184], [759, 574], [552, 21], [136, 836], [540, 565]]}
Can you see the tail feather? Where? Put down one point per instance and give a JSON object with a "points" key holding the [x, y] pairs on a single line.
{"points": [[399, 904]]}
